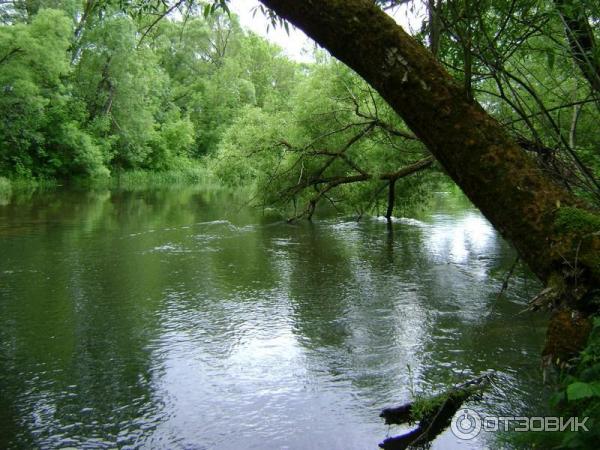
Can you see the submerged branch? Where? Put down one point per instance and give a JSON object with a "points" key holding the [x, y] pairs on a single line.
{"points": [[432, 414], [335, 181]]}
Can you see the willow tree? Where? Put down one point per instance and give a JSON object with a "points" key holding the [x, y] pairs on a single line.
{"points": [[553, 231]]}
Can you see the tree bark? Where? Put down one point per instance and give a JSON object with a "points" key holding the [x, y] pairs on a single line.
{"points": [[581, 40], [435, 26], [493, 171]]}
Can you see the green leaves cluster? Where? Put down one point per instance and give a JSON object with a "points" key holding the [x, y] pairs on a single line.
{"points": [[580, 394], [276, 151], [93, 88], [88, 90], [36, 109]]}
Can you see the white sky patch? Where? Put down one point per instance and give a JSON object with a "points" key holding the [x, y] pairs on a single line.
{"points": [[297, 45]]}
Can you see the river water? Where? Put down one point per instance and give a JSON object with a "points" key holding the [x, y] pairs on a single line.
{"points": [[180, 319]]}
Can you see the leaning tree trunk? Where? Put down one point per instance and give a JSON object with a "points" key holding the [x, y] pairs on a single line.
{"points": [[550, 229]]}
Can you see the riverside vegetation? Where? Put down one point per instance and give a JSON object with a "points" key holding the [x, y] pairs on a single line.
{"points": [[114, 91]]}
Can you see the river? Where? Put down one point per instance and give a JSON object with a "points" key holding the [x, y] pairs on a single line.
{"points": [[181, 319]]}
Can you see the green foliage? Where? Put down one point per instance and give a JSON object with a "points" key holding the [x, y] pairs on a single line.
{"points": [[274, 153], [581, 393], [91, 93], [89, 99], [578, 395], [580, 390], [182, 172], [81, 155], [30, 76], [5, 191], [424, 408], [248, 151], [577, 220], [173, 140]]}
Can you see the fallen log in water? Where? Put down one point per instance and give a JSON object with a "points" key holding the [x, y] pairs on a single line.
{"points": [[433, 414]]}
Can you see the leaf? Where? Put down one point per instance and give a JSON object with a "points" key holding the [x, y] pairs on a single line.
{"points": [[225, 7], [579, 390]]}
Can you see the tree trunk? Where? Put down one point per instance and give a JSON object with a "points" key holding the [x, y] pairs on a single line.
{"points": [[391, 200], [435, 26], [536, 215], [581, 40]]}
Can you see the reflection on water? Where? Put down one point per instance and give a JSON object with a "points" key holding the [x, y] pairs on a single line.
{"points": [[175, 319]]}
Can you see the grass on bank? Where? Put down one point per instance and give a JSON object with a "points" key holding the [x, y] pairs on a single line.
{"points": [[143, 179], [5, 190], [184, 173]]}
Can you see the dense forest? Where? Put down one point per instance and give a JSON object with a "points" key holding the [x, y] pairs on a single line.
{"points": [[91, 94], [501, 97], [88, 91], [93, 90]]}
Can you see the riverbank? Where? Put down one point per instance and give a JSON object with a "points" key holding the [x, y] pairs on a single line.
{"points": [[183, 175]]}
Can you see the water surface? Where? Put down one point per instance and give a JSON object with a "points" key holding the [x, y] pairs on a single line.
{"points": [[179, 319]]}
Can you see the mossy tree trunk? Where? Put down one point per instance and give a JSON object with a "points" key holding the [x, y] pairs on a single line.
{"points": [[493, 170]]}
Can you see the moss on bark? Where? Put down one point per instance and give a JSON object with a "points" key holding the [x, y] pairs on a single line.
{"points": [[578, 221]]}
